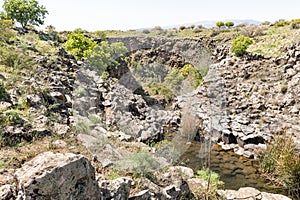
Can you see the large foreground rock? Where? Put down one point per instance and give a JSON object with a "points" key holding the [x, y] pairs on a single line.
{"points": [[57, 176], [249, 193]]}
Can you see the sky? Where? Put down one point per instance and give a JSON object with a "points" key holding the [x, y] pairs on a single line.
{"points": [[94, 15]]}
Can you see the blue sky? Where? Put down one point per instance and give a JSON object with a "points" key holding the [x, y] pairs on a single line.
{"points": [[132, 14]]}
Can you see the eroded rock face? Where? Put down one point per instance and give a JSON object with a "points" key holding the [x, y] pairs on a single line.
{"points": [[57, 176], [244, 101], [117, 189], [118, 107], [191, 49]]}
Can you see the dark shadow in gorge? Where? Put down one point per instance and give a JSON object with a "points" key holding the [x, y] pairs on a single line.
{"points": [[154, 65]]}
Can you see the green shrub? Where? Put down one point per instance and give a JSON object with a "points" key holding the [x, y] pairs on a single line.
{"points": [[52, 33], [140, 164], [160, 90], [189, 70], [79, 45], [295, 24], [212, 177], [209, 193], [6, 32], [101, 35], [173, 79], [281, 164], [3, 93], [281, 23], [15, 58], [240, 45], [266, 23], [146, 31], [105, 55], [10, 118], [37, 43], [105, 75]]}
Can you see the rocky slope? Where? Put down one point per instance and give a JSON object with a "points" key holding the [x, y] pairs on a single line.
{"points": [[259, 98], [241, 103]]}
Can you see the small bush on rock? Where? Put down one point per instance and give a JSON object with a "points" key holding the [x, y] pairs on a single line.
{"points": [[240, 45]]}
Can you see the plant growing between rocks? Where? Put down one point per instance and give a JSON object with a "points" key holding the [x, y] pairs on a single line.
{"points": [[140, 164], [3, 93], [281, 164], [214, 183], [240, 45], [79, 45], [105, 56]]}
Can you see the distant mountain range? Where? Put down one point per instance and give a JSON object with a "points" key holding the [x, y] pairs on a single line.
{"points": [[212, 23]]}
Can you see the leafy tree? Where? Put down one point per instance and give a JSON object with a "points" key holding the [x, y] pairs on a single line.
{"points": [[79, 45], [240, 45], [266, 23], [220, 24], [192, 26], [26, 12], [182, 28], [200, 26], [158, 28], [229, 24], [146, 31]]}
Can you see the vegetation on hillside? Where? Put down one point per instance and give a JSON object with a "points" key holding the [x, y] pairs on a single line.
{"points": [[21, 61], [271, 40]]}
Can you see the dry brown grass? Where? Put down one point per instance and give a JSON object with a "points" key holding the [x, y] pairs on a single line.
{"points": [[14, 157]]}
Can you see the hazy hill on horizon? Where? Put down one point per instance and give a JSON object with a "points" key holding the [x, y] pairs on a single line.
{"points": [[212, 23]]}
